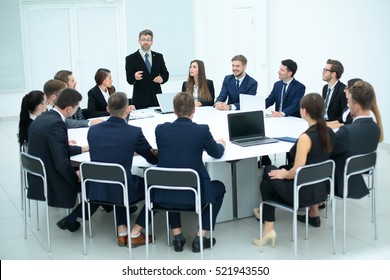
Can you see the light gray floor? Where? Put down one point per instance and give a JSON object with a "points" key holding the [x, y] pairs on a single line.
{"points": [[234, 239]]}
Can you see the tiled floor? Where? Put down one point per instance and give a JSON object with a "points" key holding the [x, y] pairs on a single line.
{"points": [[233, 238]]}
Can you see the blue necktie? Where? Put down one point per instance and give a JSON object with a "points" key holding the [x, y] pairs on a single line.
{"points": [[282, 96], [148, 63], [237, 85]]}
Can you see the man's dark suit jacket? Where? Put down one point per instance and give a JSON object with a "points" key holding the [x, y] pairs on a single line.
{"points": [[247, 86], [97, 105], [291, 99], [145, 90], [114, 141], [210, 86], [337, 103], [48, 140], [180, 145], [359, 137]]}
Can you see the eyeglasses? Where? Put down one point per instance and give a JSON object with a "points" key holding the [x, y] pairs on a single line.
{"points": [[325, 69], [146, 40]]}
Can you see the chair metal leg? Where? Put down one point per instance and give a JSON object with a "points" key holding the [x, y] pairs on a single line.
{"points": [[152, 223], [200, 232], [115, 225], [147, 229], [168, 232], [374, 205], [295, 232], [84, 230], [333, 224], [261, 227], [307, 223], [25, 213], [48, 227], [37, 216], [128, 228], [344, 222], [211, 226], [89, 221]]}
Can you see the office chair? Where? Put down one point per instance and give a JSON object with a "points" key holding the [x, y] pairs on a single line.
{"points": [[305, 176], [106, 173], [173, 179], [34, 166], [359, 164]]}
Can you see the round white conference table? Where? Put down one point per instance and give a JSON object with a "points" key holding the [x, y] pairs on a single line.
{"points": [[237, 168]]}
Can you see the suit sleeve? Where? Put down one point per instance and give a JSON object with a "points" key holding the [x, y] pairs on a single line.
{"points": [[130, 70], [224, 92], [342, 142], [294, 107], [58, 144], [271, 99], [143, 148], [212, 148], [163, 71], [92, 111], [71, 123]]}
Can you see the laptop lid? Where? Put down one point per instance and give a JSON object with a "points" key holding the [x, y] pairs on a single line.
{"points": [[165, 100], [245, 125], [252, 102]]}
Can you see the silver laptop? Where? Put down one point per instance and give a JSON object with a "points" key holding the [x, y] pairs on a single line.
{"points": [[252, 102], [165, 100], [247, 129]]}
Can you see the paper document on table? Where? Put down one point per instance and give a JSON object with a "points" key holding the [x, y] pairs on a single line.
{"points": [[140, 114], [287, 139]]}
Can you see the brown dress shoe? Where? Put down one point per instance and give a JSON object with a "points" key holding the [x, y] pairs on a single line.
{"points": [[122, 241], [140, 240]]}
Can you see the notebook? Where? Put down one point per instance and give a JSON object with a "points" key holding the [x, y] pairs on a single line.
{"points": [[247, 129], [252, 102], [165, 100]]}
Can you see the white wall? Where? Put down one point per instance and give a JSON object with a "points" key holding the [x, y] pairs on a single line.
{"points": [[356, 32]]}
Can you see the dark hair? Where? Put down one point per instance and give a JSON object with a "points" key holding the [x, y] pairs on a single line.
{"points": [[313, 103], [363, 94], [184, 104], [241, 58], [145, 32], [336, 67], [291, 66], [63, 75], [101, 75], [203, 89], [53, 86], [68, 97], [29, 103], [117, 103], [351, 82]]}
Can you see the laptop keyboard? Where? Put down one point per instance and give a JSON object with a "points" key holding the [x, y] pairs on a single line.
{"points": [[254, 142]]}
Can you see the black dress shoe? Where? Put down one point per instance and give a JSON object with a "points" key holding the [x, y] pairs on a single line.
{"points": [[313, 221], [322, 206], [206, 244], [72, 227], [178, 244]]}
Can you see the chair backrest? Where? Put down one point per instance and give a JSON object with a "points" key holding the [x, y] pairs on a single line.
{"points": [[360, 164], [172, 179], [315, 173], [35, 166], [106, 173]]}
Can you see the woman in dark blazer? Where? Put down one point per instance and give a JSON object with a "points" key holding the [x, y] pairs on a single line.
{"points": [[98, 95], [197, 84]]}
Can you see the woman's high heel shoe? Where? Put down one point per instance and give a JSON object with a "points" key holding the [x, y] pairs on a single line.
{"points": [[269, 236]]}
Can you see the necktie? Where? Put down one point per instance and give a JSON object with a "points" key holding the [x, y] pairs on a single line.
{"points": [[282, 96], [237, 85], [148, 63], [327, 100]]}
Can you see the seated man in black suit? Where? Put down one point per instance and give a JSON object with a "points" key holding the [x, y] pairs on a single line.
{"points": [[48, 140], [333, 92], [180, 145], [114, 141]]}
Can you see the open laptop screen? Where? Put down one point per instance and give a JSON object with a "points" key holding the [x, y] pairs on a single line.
{"points": [[246, 124]]}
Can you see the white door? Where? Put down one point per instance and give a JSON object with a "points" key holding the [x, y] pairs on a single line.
{"points": [[80, 37]]}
